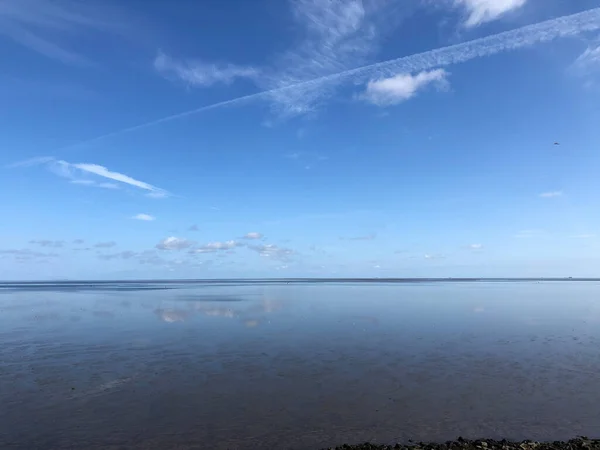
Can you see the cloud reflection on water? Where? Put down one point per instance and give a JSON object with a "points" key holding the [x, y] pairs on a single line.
{"points": [[171, 315], [250, 315]]}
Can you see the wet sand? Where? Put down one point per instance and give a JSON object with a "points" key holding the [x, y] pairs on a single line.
{"points": [[298, 367]]}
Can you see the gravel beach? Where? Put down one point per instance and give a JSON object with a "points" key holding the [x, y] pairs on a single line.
{"points": [[581, 443]]}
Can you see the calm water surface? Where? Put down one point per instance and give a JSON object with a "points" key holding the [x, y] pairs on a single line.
{"points": [[298, 366]]}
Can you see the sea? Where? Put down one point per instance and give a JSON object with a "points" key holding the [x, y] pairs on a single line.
{"points": [[296, 364]]}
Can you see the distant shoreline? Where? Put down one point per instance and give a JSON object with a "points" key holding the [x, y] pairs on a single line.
{"points": [[9, 283]]}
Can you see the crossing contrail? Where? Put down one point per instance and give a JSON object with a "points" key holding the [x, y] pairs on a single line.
{"points": [[526, 36]]}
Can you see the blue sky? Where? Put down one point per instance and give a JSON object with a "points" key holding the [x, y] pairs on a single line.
{"points": [[299, 138]]}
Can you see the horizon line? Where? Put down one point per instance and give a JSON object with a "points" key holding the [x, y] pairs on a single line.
{"points": [[294, 279]]}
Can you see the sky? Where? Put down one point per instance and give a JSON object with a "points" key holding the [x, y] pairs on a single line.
{"points": [[299, 138]]}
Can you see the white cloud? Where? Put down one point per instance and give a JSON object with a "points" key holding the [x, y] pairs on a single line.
{"points": [[198, 73], [401, 87], [583, 236], [273, 251], [476, 246], [174, 243], [79, 174], [253, 235], [551, 194], [481, 11], [146, 217], [102, 171]]}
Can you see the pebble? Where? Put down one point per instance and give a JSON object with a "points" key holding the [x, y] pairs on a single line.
{"points": [[580, 443]]}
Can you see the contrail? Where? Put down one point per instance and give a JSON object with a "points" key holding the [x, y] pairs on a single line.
{"points": [[454, 54]]}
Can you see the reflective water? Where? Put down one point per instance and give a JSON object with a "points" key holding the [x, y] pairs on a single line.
{"points": [[302, 366]]}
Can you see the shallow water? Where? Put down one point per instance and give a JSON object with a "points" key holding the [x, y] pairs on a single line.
{"points": [[302, 366]]}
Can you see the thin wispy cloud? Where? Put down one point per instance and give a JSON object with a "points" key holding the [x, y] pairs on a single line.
{"points": [[151, 258], [107, 185], [144, 217], [198, 73], [368, 237], [44, 26], [253, 235], [551, 194], [158, 194], [306, 159], [83, 182], [31, 162], [48, 243], [524, 37], [27, 253], [475, 247], [108, 244], [587, 65], [434, 256], [339, 35], [127, 254], [88, 182], [583, 236], [526, 234], [590, 58], [481, 11], [213, 247], [399, 88]]}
